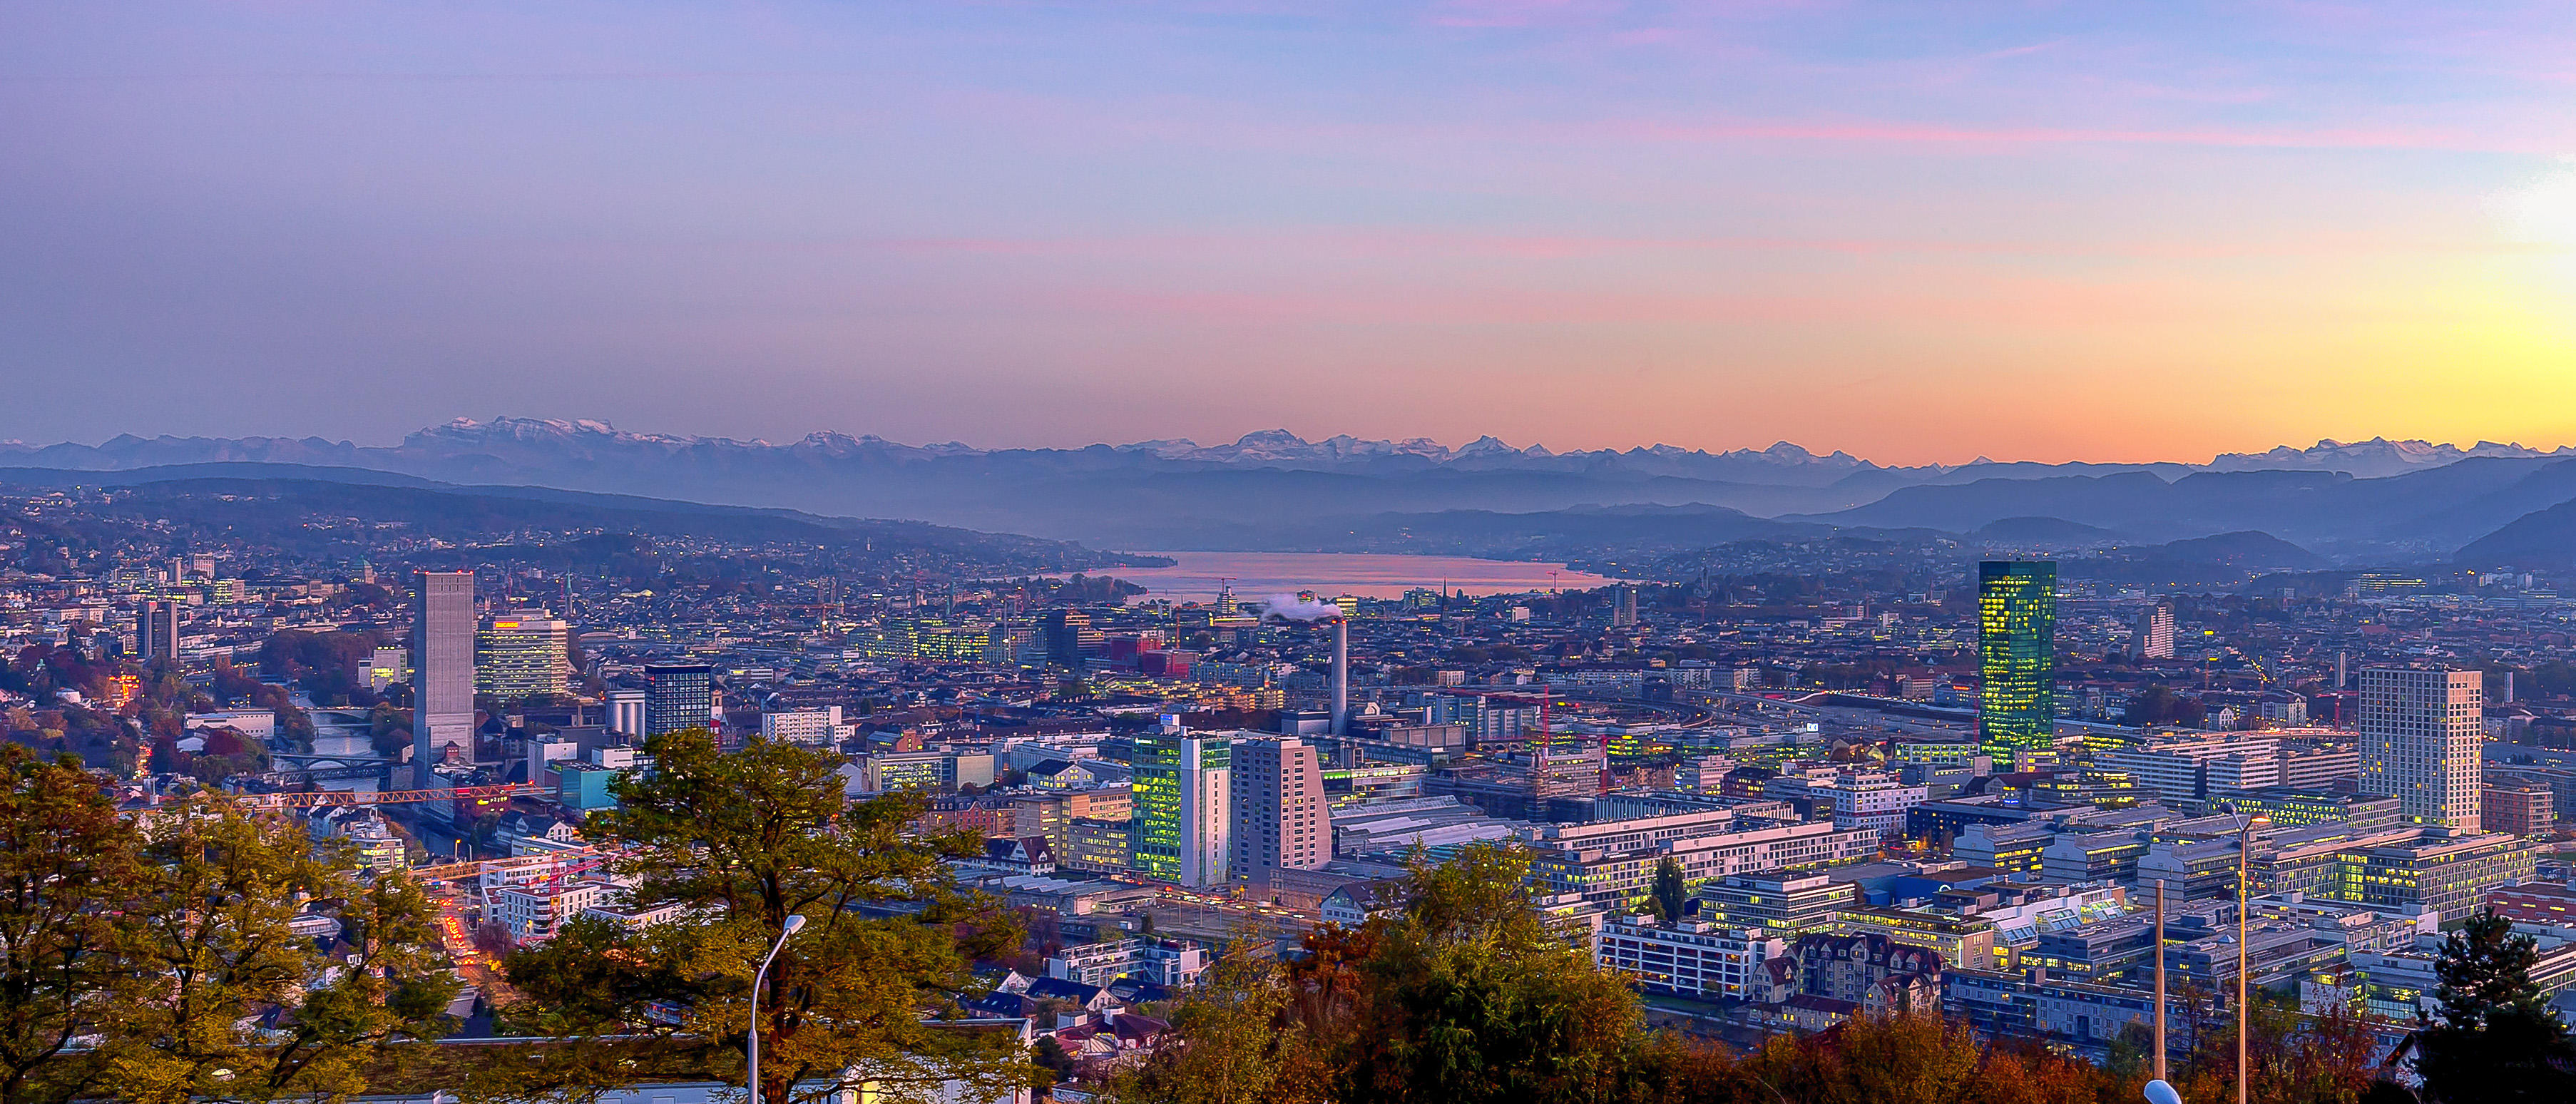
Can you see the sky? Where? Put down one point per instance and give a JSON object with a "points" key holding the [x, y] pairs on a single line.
{"points": [[1916, 232]]}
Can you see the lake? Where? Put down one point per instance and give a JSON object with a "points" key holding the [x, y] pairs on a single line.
{"points": [[1196, 576]]}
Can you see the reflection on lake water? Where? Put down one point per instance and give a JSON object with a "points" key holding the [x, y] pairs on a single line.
{"points": [[1197, 575]]}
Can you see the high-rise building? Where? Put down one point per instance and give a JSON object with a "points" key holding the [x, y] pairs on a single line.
{"points": [[1280, 821], [2017, 653], [156, 632], [1070, 637], [2156, 632], [2420, 731], [515, 657], [678, 696], [626, 712], [1180, 815], [1623, 606], [442, 668]]}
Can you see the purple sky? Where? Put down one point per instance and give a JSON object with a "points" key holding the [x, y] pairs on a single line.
{"points": [[1913, 231]]}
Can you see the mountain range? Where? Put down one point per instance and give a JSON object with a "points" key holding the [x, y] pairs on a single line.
{"points": [[1273, 490]]}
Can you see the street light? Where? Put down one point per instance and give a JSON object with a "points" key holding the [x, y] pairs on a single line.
{"points": [[759, 978], [2160, 1093]]}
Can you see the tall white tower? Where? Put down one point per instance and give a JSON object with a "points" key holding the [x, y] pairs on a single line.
{"points": [[2420, 731]]}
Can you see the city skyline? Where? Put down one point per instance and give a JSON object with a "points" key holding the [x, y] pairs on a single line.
{"points": [[1979, 234]]}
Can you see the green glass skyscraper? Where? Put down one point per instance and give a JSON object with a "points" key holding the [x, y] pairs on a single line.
{"points": [[1180, 819], [2017, 649]]}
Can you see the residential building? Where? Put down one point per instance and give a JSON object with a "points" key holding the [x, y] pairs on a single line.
{"points": [[2519, 807], [1163, 963], [1280, 818], [801, 726], [2421, 729]]}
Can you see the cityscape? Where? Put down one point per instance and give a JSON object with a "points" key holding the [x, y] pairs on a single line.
{"points": [[1473, 552]]}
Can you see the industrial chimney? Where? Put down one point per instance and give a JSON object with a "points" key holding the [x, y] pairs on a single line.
{"points": [[1341, 675]]}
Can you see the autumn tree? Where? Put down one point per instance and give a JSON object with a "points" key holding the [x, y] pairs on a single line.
{"points": [[65, 857], [1473, 996], [223, 1000], [740, 842]]}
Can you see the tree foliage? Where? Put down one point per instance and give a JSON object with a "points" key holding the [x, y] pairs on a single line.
{"points": [[741, 841], [2492, 1037], [151, 959]]}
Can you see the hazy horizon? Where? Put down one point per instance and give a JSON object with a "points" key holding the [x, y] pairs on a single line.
{"points": [[1316, 436]]}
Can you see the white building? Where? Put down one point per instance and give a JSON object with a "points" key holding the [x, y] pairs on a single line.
{"points": [[1690, 959], [2420, 731], [802, 726], [1172, 965], [535, 911]]}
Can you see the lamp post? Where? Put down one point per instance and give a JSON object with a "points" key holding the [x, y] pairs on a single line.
{"points": [[2244, 1011], [758, 980]]}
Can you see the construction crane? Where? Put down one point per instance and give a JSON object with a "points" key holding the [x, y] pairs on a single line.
{"points": [[397, 797]]}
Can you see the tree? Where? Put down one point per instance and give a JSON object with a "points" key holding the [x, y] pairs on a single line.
{"points": [[741, 842], [1671, 896], [1472, 996], [2493, 1038], [65, 857], [1234, 1042], [223, 1001]]}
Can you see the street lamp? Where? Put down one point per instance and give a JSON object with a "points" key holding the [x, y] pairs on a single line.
{"points": [[2160, 1093], [2244, 1011], [758, 979]]}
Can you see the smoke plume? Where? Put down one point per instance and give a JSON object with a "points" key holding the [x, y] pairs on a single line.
{"points": [[1289, 607]]}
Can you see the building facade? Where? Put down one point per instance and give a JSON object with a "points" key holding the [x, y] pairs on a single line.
{"points": [[1280, 819], [442, 668], [2420, 731], [678, 696], [1180, 814], [2017, 657], [516, 657]]}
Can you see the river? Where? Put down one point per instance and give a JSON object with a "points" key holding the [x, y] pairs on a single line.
{"points": [[1196, 576]]}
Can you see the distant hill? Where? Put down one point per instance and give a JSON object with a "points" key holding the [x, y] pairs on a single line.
{"points": [[2372, 497], [2543, 538], [2248, 548], [2041, 530], [325, 516]]}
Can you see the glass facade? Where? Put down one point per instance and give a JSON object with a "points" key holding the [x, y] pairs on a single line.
{"points": [[1178, 778], [2017, 651]]}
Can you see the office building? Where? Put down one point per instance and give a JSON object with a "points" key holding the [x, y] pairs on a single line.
{"points": [[1180, 817], [678, 696], [1623, 606], [523, 656], [1069, 637], [626, 712], [1708, 961], [2155, 638], [442, 669], [156, 632], [2420, 731], [2017, 657], [382, 668], [1275, 788]]}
